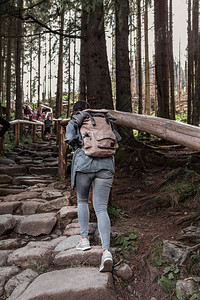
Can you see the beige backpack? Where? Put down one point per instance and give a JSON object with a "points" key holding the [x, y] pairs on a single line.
{"points": [[98, 137]]}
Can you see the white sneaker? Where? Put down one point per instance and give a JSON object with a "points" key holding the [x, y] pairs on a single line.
{"points": [[83, 245], [106, 262]]}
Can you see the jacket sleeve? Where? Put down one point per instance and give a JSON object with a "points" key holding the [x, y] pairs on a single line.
{"points": [[73, 135]]}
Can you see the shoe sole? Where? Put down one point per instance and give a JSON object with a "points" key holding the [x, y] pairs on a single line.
{"points": [[107, 265], [83, 249]]}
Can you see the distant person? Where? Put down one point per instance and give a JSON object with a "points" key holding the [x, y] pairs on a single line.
{"points": [[27, 111], [47, 127], [38, 113]]}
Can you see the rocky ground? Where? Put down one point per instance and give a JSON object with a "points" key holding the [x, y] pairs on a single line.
{"points": [[152, 228]]}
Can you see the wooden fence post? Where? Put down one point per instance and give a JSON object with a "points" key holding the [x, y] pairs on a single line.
{"points": [[34, 133], [62, 152], [17, 133]]}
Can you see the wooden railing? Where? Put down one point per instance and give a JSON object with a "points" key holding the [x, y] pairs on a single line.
{"points": [[62, 159], [16, 124]]}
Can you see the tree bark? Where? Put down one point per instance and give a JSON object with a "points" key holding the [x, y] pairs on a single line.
{"points": [[99, 92], [171, 63], [161, 56], [147, 77], [8, 70], [190, 67], [60, 71], [195, 113], [18, 107], [174, 131], [139, 57]]}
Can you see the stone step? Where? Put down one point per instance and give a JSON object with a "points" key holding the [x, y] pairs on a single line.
{"points": [[13, 170], [4, 191], [43, 171], [71, 284]]}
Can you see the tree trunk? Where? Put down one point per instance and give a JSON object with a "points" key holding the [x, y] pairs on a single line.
{"points": [[123, 91], [83, 58], [50, 75], [60, 71], [171, 63], [8, 70], [139, 57], [99, 92], [39, 69], [147, 79], [161, 57], [18, 107], [174, 131], [195, 114], [189, 101]]}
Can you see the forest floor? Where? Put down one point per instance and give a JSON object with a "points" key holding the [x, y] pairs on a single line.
{"points": [[155, 195]]}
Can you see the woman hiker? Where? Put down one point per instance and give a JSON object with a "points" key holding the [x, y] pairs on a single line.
{"points": [[87, 171]]}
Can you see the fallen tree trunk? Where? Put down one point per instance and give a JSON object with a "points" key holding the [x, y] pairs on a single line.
{"points": [[174, 131]]}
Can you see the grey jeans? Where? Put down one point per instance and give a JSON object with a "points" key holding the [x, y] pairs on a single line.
{"points": [[102, 182]]}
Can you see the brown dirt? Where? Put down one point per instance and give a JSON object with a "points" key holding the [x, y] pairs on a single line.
{"points": [[139, 180]]}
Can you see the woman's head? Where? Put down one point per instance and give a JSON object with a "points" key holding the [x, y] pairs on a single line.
{"points": [[80, 105]]}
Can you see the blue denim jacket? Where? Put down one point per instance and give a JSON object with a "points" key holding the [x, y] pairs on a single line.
{"points": [[82, 162]]}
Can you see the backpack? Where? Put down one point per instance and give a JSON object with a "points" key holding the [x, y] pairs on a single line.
{"points": [[97, 136]]}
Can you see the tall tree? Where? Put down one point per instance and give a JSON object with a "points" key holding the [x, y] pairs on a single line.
{"points": [[139, 57], [196, 104], [123, 90], [99, 92], [59, 92], [8, 69], [18, 107], [171, 63], [161, 56], [190, 65], [147, 76]]}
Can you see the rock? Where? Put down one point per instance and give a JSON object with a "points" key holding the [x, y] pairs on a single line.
{"points": [[6, 161], [10, 191], [33, 254], [89, 284], [29, 180], [184, 289], [29, 208], [51, 194], [18, 283], [3, 256], [22, 196], [7, 222], [8, 207], [13, 170], [72, 229], [43, 171], [5, 274], [68, 243], [5, 178], [54, 205], [174, 251], [73, 257], [10, 244], [37, 224], [124, 271]]}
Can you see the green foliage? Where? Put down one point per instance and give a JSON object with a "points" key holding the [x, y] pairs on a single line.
{"points": [[156, 254], [181, 118], [127, 242], [168, 279], [184, 187], [114, 212]]}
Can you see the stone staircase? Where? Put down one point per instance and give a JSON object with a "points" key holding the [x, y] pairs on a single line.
{"points": [[39, 231]]}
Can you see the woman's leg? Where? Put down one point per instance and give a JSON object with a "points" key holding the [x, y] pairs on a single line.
{"points": [[83, 184], [101, 190]]}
